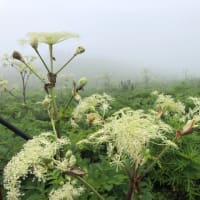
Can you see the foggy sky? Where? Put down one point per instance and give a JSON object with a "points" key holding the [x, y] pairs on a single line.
{"points": [[120, 36]]}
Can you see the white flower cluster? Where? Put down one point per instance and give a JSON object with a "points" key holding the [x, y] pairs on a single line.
{"points": [[49, 38], [168, 104], [68, 191], [30, 160], [194, 113], [128, 133], [95, 103]]}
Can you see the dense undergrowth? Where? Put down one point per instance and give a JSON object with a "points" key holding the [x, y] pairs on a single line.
{"points": [[176, 175]]}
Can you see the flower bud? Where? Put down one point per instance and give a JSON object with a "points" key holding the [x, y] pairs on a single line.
{"points": [[79, 50], [82, 83], [72, 160], [16, 55], [34, 43], [68, 154]]}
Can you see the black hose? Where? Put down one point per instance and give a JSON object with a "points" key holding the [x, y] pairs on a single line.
{"points": [[15, 129]]}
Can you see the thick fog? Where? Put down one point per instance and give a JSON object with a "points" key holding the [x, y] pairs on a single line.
{"points": [[121, 37]]}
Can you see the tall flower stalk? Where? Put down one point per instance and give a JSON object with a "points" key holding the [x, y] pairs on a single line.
{"points": [[59, 159], [34, 39], [128, 134]]}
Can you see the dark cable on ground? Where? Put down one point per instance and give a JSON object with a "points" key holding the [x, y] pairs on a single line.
{"points": [[14, 129]]}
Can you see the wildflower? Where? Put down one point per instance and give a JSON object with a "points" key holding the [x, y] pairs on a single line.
{"points": [[49, 38], [82, 82], [94, 104], [166, 104], [128, 133], [31, 160], [94, 118], [194, 113], [68, 191]]}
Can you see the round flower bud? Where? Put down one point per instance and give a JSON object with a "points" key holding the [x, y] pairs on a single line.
{"points": [[34, 43], [72, 160], [80, 50], [82, 83], [16, 55], [68, 154]]}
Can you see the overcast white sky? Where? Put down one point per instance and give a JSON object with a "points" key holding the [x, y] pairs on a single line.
{"points": [[126, 35]]}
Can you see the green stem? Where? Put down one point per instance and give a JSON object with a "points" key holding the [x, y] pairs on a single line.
{"points": [[68, 103], [45, 65], [90, 186], [66, 64], [37, 75], [52, 123], [10, 92], [55, 112], [51, 56]]}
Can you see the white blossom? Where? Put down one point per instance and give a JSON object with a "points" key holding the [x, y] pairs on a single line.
{"points": [[50, 38], [95, 103], [168, 104], [128, 133], [30, 160], [68, 191]]}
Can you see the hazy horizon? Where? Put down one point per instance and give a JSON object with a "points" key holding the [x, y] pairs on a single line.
{"points": [[121, 37]]}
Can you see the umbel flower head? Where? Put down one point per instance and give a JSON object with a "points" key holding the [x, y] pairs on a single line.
{"points": [[166, 104], [95, 103], [128, 134], [49, 38], [68, 191], [36, 157]]}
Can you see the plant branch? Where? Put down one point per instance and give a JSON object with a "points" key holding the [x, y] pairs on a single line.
{"points": [[68, 103], [66, 64], [42, 60], [51, 56], [37, 75], [90, 186]]}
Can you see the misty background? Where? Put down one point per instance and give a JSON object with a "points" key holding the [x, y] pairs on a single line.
{"points": [[122, 38]]}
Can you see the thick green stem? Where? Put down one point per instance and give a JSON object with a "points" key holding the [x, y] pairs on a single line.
{"points": [[45, 65], [66, 64], [90, 186], [51, 56], [55, 112], [52, 122]]}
